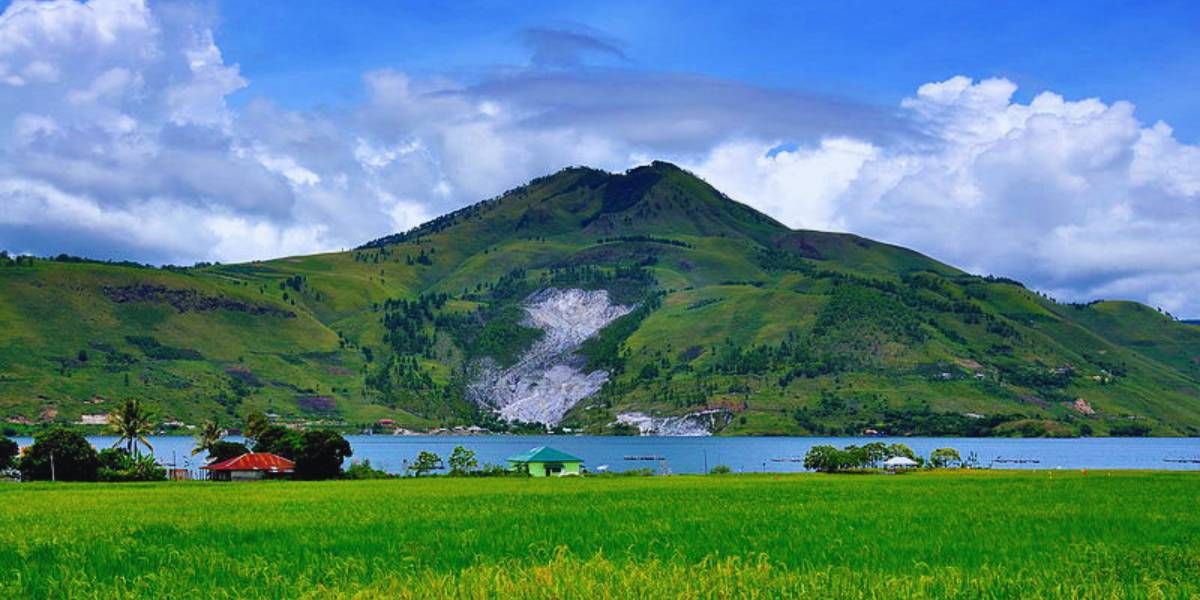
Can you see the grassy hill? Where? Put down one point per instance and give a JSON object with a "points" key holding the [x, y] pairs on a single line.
{"points": [[780, 331]]}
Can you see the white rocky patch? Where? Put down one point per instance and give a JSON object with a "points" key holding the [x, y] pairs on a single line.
{"points": [[549, 379], [698, 423]]}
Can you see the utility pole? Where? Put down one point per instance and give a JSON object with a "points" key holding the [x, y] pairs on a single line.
{"points": [[53, 475]]}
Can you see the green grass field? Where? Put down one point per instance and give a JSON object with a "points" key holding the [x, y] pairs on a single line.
{"points": [[975, 535]]}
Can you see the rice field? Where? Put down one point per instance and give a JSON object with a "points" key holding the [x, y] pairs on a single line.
{"points": [[968, 535]]}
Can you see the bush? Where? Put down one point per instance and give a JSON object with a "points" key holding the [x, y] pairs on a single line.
{"points": [[73, 458], [364, 470], [720, 470], [117, 465]]}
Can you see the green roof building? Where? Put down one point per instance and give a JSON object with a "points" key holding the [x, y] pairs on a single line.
{"points": [[546, 462]]}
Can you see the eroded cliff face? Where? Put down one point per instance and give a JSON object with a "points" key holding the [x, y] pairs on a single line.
{"points": [[550, 378], [698, 423]]}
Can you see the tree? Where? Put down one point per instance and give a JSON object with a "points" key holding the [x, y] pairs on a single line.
{"points": [[133, 424], [223, 450], [902, 450], [278, 440], [256, 424], [210, 433], [8, 453], [60, 454], [720, 470], [426, 462], [320, 455], [874, 453], [827, 459], [944, 457], [462, 461]]}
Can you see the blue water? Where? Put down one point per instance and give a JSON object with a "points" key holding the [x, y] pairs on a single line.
{"points": [[742, 454]]}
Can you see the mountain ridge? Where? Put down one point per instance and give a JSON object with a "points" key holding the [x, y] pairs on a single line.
{"points": [[778, 330]]}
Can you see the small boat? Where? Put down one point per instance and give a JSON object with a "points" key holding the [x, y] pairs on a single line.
{"points": [[1195, 461], [644, 457]]}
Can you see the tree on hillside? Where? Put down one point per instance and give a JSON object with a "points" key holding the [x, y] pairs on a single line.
{"points": [[223, 450], [133, 424], [426, 462], [59, 454], [8, 453], [210, 433], [462, 461], [945, 457], [256, 424], [320, 455]]}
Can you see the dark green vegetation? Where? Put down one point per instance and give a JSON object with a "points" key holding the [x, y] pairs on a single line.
{"points": [[935, 534], [792, 332]]}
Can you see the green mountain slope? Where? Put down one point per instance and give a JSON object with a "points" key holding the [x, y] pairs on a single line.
{"points": [[734, 316]]}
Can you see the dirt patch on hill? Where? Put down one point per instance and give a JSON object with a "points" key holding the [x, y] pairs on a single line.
{"points": [[184, 300]]}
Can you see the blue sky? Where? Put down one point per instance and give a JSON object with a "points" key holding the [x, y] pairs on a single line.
{"points": [[1056, 143], [306, 53]]}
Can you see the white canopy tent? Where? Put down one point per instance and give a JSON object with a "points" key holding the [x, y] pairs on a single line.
{"points": [[899, 462]]}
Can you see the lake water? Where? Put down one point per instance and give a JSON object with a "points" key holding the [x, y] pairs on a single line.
{"points": [[742, 454]]}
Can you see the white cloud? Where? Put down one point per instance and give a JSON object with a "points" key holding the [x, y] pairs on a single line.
{"points": [[1078, 197], [117, 140]]}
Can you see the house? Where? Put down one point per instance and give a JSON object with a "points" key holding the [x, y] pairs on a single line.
{"points": [[546, 462], [101, 419], [251, 466]]}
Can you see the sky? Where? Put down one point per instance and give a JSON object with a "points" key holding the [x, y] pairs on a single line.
{"points": [[1058, 144]]}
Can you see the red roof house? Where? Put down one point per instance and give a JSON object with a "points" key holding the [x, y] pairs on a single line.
{"points": [[249, 466]]}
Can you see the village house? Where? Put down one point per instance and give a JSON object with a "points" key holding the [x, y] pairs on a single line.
{"points": [[546, 462], [251, 466], [93, 419]]}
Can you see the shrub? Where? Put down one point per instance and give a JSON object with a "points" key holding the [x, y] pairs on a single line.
{"points": [[720, 470], [117, 465], [364, 470]]}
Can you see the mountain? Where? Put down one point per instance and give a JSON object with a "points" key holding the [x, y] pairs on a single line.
{"points": [[610, 303]]}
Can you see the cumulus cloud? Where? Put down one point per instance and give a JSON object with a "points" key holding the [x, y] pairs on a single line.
{"points": [[117, 141], [1076, 197]]}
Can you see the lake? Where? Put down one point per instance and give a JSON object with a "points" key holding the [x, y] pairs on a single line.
{"points": [[742, 454]]}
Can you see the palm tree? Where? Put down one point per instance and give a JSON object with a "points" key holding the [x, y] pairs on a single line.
{"points": [[210, 433], [132, 423]]}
